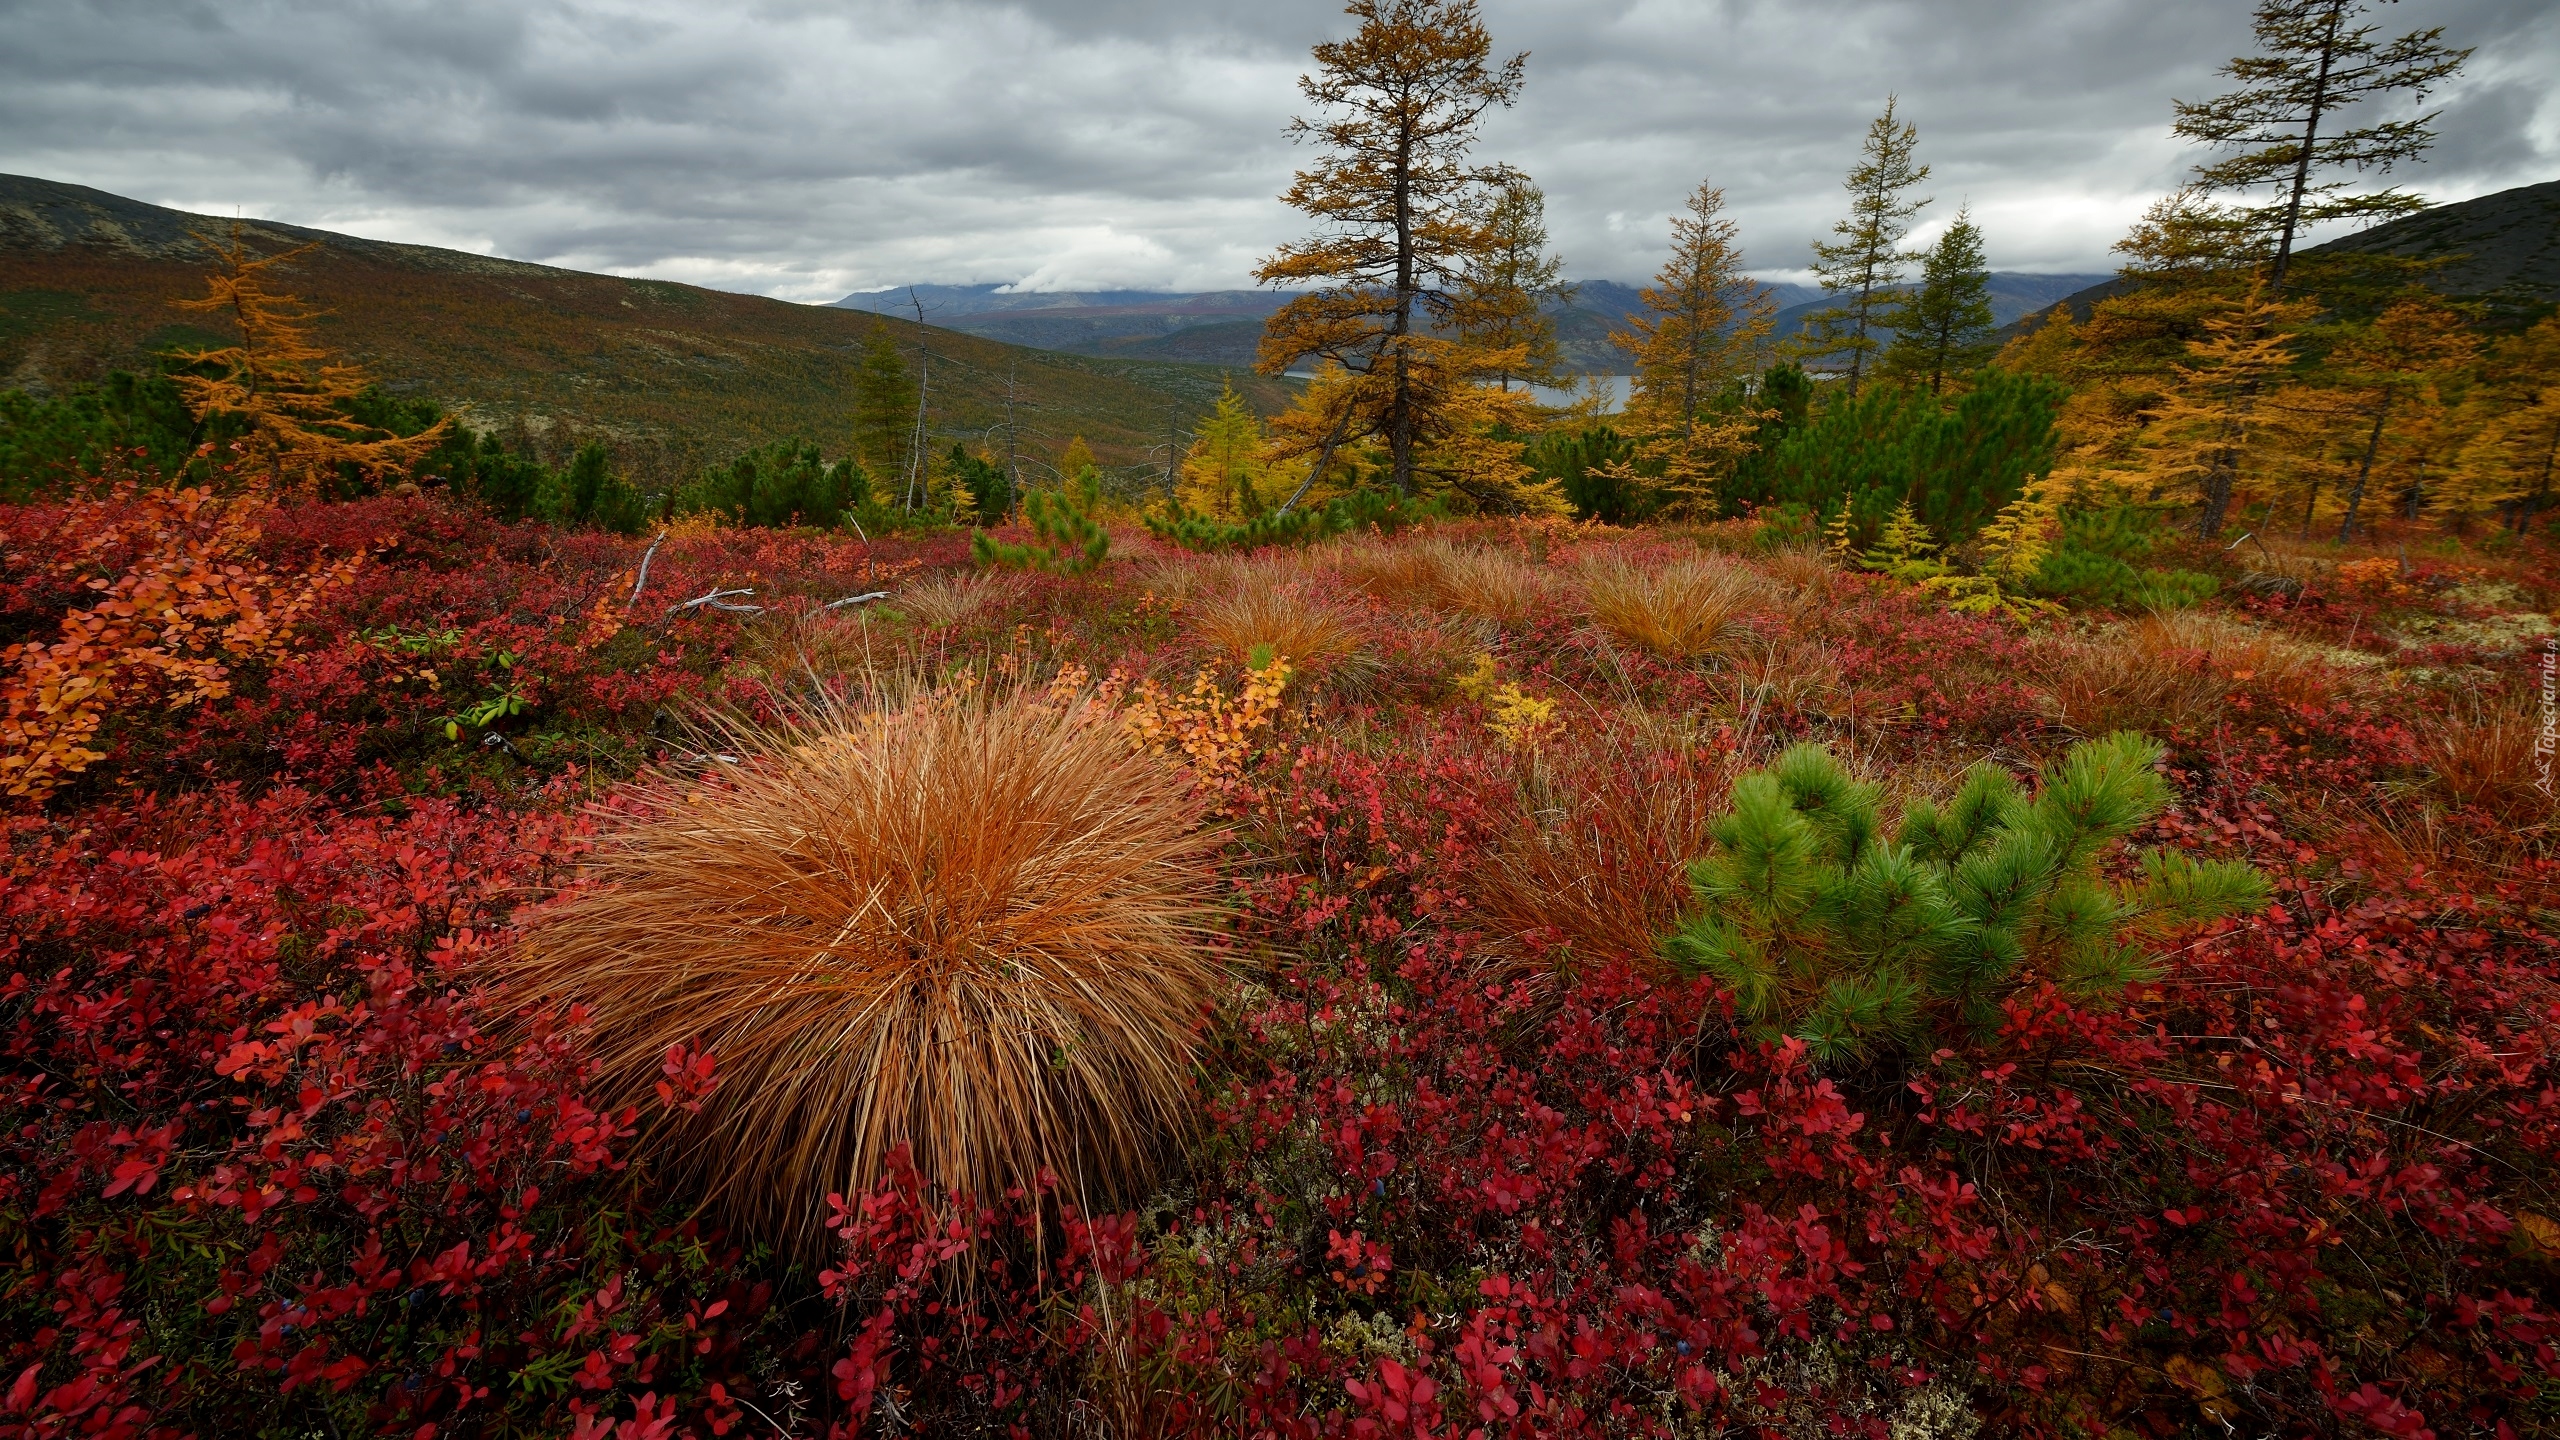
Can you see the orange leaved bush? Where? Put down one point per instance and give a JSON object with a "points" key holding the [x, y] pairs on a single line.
{"points": [[189, 604], [976, 923]]}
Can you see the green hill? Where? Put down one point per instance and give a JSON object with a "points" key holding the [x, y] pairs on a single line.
{"points": [[676, 375]]}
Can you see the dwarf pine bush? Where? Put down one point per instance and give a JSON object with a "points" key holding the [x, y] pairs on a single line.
{"points": [[1072, 538], [1826, 929]]}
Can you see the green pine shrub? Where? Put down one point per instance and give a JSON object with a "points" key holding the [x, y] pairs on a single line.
{"points": [[1858, 944], [591, 492], [1358, 510], [1070, 539], [989, 488], [1956, 465], [2096, 562], [1592, 468], [778, 485]]}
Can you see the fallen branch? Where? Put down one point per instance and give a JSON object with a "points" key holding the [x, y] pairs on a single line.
{"points": [[643, 581], [717, 600], [854, 600]]}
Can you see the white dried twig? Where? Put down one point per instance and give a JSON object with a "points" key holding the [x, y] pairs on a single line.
{"points": [[717, 600], [645, 558], [854, 600]]}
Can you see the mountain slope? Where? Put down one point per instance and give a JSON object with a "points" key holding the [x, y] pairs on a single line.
{"points": [[679, 375], [2502, 248]]}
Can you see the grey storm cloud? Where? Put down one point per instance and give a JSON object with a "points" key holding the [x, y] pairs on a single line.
{"points": [[806, 149]]}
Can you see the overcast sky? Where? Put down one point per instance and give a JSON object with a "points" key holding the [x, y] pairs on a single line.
{"points": [[805, 149]]}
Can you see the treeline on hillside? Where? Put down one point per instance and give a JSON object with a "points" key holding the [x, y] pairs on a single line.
{"points": [[276, 392], [2234, 383]]}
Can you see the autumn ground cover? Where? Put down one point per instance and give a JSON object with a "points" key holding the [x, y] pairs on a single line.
{"points": [[288, 1153]]}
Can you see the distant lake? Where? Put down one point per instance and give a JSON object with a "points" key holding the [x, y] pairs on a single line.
{"points": [[1614, 386]]}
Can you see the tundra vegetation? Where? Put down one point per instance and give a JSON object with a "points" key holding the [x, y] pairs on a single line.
{"points": [[1840, 901]]}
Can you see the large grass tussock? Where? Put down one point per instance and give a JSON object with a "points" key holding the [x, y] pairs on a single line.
{"points": [[972, 923]]}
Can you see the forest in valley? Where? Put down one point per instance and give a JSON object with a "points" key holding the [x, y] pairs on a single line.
{"points": [[1914, 880]]}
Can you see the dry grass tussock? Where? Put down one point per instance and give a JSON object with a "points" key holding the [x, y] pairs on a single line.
{"points": [[814, 642], [1193, 577], [1681, 609], [1480, 580], [2171, 670], [975, 923], [1316, 636], [2483, 756], [1787, 674], [1597, 864], [953, 598]]}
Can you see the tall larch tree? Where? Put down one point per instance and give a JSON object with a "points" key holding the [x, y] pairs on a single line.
{"points": [[2212, 431], [293, 403], [2281, 125], [2391, 373], [1401, 215], [1866, 262], [1222, 474], [2513, 460], [1501, 304], [1705, 324], [1945, 327]]}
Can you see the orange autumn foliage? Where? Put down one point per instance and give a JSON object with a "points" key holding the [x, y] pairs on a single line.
{"points": [[294, 401], [191, 602]]}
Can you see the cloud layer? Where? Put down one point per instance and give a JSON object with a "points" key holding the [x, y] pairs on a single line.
{"points": [[803, 149]]}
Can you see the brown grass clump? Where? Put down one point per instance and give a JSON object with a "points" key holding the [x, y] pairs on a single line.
{"points": [[1496, 585], [1407, 573], [1800, 568], [799, 642], [974, 923], [2171, 670], [1790, 674], [1493, 584], [1315, 636], [951, 599], [2483, 756], [1679, 610], [1597, 865]]}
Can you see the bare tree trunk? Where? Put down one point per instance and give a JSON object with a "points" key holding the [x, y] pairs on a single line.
{"points": [[2364, 472], [1324, 457], [2302, 162]]}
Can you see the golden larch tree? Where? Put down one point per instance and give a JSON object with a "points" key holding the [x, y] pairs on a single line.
{"points": [[2515, 445], [1223, 473], [1705, 323], [2213, 431], [1401, 215], [2393, 371], [291, 400], [1501, 302]]}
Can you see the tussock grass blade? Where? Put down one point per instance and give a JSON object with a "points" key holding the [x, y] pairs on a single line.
{"points": [[975, 923]]}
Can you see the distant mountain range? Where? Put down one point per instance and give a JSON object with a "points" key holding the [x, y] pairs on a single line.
{"points": [[1224, 327]]}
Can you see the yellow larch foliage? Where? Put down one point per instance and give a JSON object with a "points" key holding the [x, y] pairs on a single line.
{"points": [[293, 400], [1224, 473], [1706, 322], [2213, 437]]}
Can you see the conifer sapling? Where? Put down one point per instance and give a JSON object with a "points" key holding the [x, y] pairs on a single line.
{"points": [[1830, 931]]}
